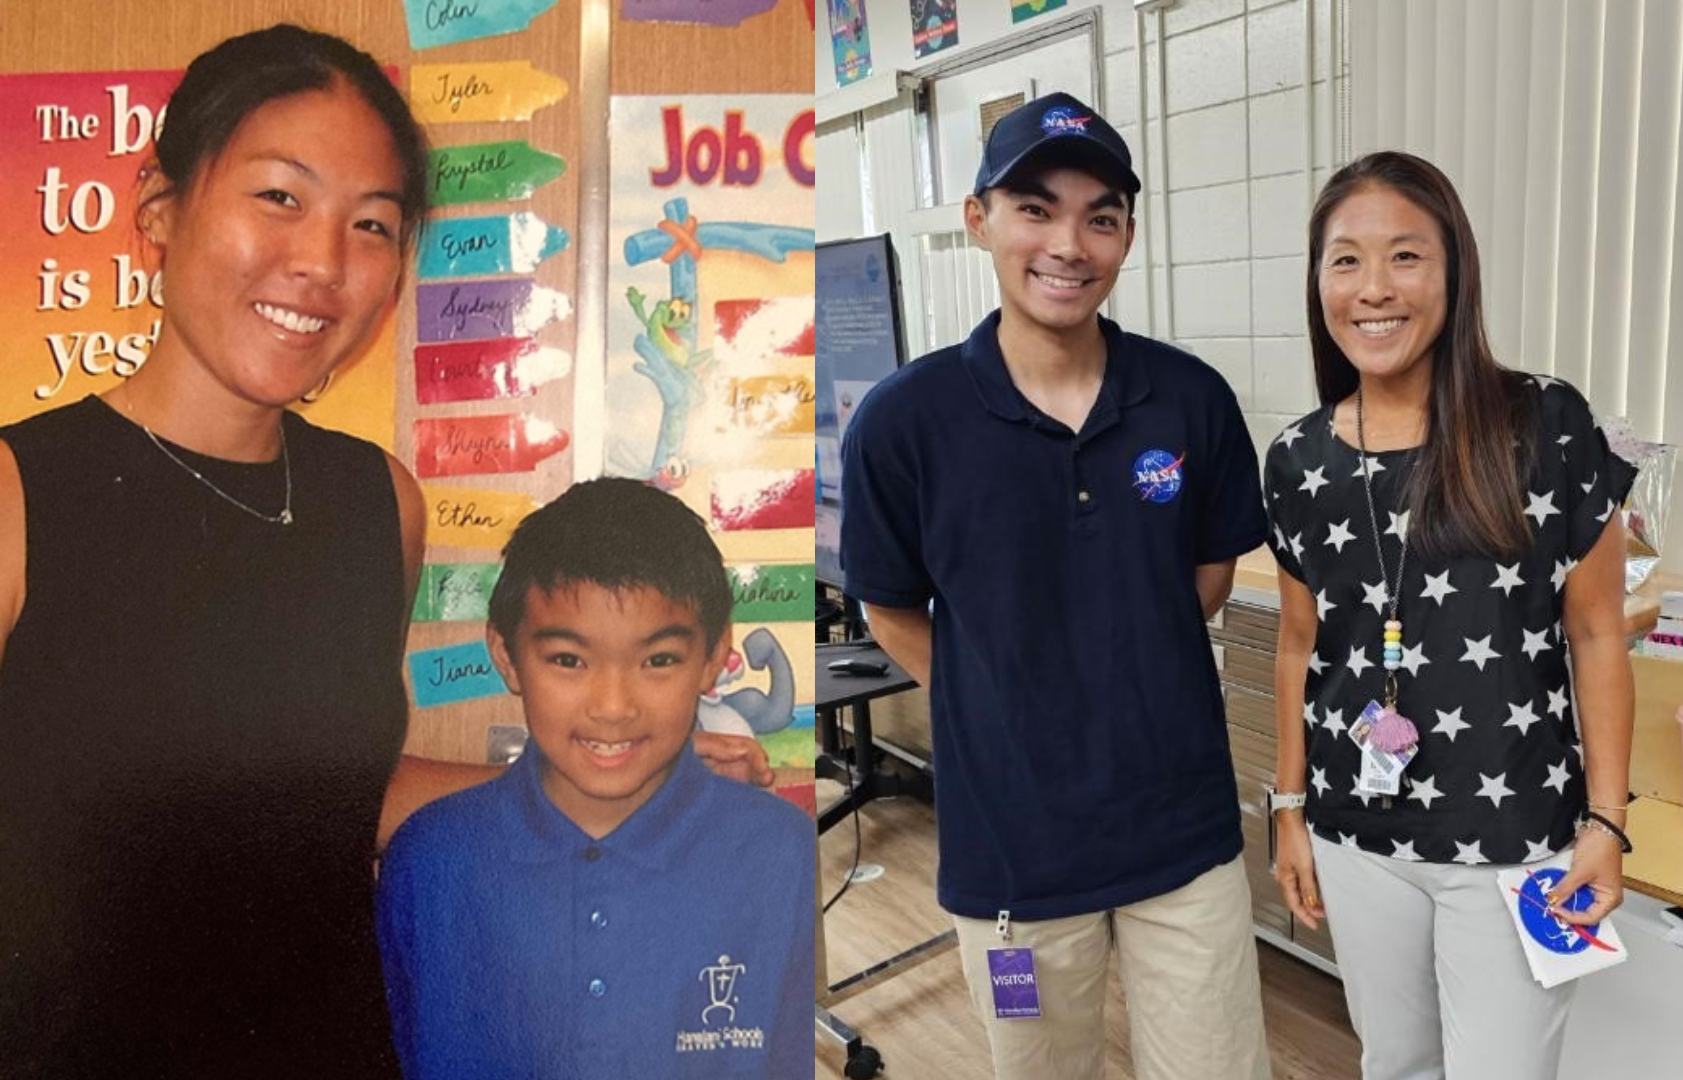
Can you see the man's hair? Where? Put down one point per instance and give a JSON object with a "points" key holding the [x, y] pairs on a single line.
{"points": [[618, 534], [1050, 158]]}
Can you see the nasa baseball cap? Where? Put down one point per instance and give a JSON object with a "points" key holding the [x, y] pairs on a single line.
{"points": [[1060, 123]]}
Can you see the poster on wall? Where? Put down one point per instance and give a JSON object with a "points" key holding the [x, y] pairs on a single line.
{"points": [[81, 291], [850, 39], [1022, 10], [709, 389], [934, 26]]}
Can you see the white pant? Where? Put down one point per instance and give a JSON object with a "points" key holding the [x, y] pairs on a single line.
{"points": [[1437, 982], [1188, 964]]}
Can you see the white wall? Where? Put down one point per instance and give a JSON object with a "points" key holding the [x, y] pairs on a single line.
{"points": [[1233, 156]]}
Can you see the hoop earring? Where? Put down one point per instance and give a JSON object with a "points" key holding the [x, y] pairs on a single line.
{"points": [[321, 388]]}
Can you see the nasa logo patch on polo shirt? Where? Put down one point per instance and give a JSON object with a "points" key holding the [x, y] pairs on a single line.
{"points": [[1158, 475]]}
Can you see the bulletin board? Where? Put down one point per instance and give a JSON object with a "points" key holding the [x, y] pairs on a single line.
{"points": [[515, 362]]}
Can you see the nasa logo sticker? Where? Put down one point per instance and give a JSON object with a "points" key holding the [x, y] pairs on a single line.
{"points": [[1547, 931], [1062, 120], [1158, 475]]}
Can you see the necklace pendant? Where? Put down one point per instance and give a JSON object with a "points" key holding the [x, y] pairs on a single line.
{"points": [[286, 516], [1393, 645]]}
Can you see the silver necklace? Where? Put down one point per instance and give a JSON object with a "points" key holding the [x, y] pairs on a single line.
{"points": [[1393, 626], [282, 518]]}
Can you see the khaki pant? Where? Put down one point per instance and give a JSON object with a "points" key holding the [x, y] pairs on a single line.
{"points": [[1188, 965]]}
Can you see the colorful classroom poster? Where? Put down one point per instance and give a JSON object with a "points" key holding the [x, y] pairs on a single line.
{"points": [[934, 26], [707, 12], [1027, 9], [481, 91], [713, 210], [710, 370], [850, 39], [445, 22], [81, 292], [490, 172]]}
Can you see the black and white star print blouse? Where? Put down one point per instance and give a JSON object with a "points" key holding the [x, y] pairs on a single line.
{"points": [[1499, 776]]}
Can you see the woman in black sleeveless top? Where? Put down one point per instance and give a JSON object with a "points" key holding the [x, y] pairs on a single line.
{"points": [[202, 603]]}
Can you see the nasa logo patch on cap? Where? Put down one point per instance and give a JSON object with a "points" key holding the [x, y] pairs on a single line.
{"points": [[1064, 121], [1158, 476], [1018, 139]]}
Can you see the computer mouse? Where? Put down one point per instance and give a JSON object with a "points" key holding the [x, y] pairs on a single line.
{"points": [[859, 667]]}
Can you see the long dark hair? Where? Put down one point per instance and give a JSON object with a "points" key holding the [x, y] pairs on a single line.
{"points": [[231, 81], [1464, 493]]}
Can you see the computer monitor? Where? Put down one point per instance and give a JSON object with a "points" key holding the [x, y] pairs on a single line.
{"points": [[860, 341]]}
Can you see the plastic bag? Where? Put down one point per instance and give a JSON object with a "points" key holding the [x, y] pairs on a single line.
{"points": [[1646, 511]]}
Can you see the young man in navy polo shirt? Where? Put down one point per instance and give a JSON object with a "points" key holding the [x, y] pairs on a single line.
{"points": [[608, 907], [1072, 499]]}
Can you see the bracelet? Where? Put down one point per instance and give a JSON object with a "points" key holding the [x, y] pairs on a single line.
{"points": [[1594, 821]]}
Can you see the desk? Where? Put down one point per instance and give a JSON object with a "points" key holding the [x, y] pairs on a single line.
{"points": [[866, 780], [864, 775]]}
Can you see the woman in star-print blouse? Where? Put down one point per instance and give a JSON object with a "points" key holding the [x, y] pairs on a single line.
{"points": [[1511, 594]]}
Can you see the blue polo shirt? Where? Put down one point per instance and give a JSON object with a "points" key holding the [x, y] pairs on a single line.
{"points": [[680, 945], [1081, 755]]}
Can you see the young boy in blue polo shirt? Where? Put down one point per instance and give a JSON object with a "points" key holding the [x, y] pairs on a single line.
{"points": [[608, 908], [1073, 498]]}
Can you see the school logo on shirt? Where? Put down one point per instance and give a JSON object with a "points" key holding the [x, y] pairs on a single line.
{"points": [[1158, 475], [1063, 120], [718, 1013]]}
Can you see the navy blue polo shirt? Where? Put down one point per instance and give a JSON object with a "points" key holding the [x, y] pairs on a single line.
{"points": [[1081, 755]]}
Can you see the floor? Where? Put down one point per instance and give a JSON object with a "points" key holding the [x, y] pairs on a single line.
{"points": [[921, 1021]]}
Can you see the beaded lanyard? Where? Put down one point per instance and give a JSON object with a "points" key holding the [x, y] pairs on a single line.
{"points": [[1393, 731]]}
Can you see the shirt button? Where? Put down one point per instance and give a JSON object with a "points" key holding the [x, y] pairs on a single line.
{"points": [[1082, 497], [591, 854], [598, 988], [598, 919]]}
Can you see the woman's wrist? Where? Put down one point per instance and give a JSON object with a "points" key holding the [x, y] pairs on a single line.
{"points": [[1595, 822]]}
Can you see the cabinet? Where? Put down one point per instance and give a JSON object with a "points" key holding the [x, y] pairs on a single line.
{"points": [[1242, 637]]}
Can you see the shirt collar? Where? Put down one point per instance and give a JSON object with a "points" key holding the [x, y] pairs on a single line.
{"points": [[652, 837], [1126, 380]]}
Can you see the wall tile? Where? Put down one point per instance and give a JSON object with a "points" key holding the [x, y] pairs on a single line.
{"points": [[1207, 66], [1207, 146], [1212, 300], [1277, 296], [1210, 224]]}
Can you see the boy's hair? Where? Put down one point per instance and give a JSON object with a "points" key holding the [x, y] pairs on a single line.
{"points": [[619, 534]]}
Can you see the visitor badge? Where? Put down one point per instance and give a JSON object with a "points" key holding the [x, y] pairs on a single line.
{"points": [[1016, 995]]}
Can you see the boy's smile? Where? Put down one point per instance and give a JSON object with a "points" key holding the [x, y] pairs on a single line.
{"points": [[609, 681]]}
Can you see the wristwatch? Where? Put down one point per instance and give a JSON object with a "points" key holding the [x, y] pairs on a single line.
{"points": [[1285, 800]]}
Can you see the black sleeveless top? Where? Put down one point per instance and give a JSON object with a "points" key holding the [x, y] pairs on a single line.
{"points": [[199, 712]]}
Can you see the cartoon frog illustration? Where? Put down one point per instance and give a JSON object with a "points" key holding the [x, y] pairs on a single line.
{"points": [[670, 361]]}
